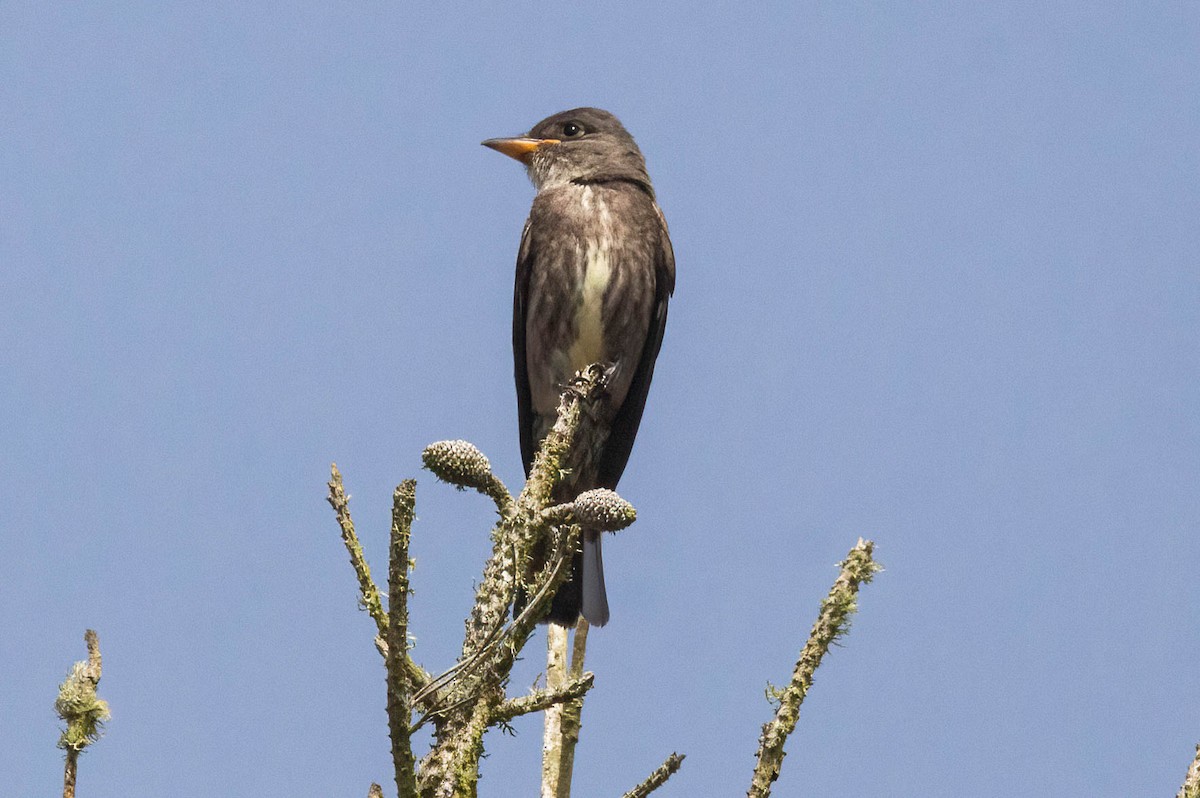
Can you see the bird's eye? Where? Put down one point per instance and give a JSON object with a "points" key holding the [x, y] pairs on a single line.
{"points": [[572, 129]]}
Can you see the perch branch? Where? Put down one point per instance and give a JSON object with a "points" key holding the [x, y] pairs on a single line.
{"points": [[473, 694]]}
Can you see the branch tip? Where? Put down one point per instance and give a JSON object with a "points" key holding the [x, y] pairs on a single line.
{"points": [[1191, 783], [81, 709], [833, 622], [658, 778], [368, 592]]}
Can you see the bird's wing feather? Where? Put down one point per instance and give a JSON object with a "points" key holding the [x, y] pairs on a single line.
{"points": [[525, 416], [625, 425]]}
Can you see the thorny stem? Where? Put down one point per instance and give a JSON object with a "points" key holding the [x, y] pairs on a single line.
{"points": [[658, 778], [368, 592], [399, 704], [1191, 783], [473, 698], [540, 700], [832, 623]]}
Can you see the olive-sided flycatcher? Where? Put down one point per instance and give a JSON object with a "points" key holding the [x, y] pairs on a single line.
{"points": [[595, 272]]}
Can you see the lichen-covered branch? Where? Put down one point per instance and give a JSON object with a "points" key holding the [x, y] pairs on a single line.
{"points": [[532, 546], [539, 700], [467, 700], [658, 778], [451, 769], [399, 687], [1191, 784], [832, 623], [516, 533], [513, 539], [368, 592], [81, 709], [472, 692]]}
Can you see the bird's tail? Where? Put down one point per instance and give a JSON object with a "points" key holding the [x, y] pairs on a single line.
{"points": [[583, 593], [595, 598]]}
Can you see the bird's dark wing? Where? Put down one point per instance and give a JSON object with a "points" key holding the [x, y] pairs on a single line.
{"points": [[525, 418], [625, 425]]}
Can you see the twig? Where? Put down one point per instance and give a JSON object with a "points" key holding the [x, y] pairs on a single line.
{"points": [[539, 700], [832, 623], [83, 712], [658, 778], [368, 592], [1191, 784], [399, 705]]}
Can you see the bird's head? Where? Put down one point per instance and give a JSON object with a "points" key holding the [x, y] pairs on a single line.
{"points": [[583, 145]]}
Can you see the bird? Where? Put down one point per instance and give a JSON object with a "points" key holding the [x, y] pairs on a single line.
{"points": [[595, 274]]}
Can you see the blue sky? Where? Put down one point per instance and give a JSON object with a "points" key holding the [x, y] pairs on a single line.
{"points": [[939, 285]]}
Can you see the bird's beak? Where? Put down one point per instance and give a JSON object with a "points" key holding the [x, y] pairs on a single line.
{"points": [[519, 148]]}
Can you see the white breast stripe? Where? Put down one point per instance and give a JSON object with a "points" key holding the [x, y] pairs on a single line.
{"points": [[589, 312]]}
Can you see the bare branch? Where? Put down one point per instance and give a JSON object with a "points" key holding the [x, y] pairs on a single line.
{"points": [[554, 785], [563, 722], [658, 778], [832, 623], [579, 648]]}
